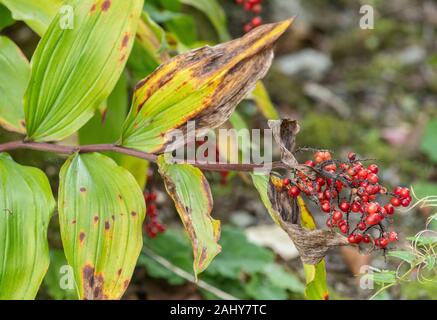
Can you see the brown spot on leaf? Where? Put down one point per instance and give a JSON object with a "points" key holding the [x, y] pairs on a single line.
{"points": [[133, 213], [96, 219], [107, 225], [125, 284], [106, 5], [120, 197], [119, 271], [73, 222], [125, 41], [81, 237], [113, 218], [82, 189], [92, 284], [93, 8]]}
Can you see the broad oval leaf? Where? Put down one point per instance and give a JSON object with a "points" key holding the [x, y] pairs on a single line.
{"points": [[26, 206], [77, 64], [14, 78], [204, 85], [36, 14], [190, 191], [214, 12], [101, 212]]}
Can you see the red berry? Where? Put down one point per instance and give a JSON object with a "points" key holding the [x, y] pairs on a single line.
{"points": [[395, 201], [393, 236], [344, 206], [293, 191], [310, 163], [326, 207], [389, 208], [361, 226], [405, 202], [355, 207], [397, 191], [352, 156], [366, 238], [247, 27], [337, 216], [372, 208], [373, 168], [372, 219], [373, 178], [257, 9], [344, 228], [286, 182], [404, 193], [352, 239], [383, 242], [257, 21], [362, 174]]}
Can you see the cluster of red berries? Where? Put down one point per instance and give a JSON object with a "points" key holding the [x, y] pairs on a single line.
{"points": [[152, 226], [254, 7], [349, 191]]}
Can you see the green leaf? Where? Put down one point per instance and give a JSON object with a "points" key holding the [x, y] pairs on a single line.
{"points": [[183, 26], [74, 70], [198, 85], [403, 255], [383, 277], [101, 212], [316, 288], [239, 256], [422, 240], [26, 206], [429, 142], [215, 13], [56, 276], [261, 288], [430, 262], [175, 247], [190, 191], [261, 182], [36, 14], [283, 279], [14, 78], [106, 125], [5, 17], [262, 100]]}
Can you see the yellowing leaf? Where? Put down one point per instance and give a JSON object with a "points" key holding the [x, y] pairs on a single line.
{"points": [[317, 288], [190, 191], [14, 78], [74, 70], [37, 14], [26, 206], [263, 102], [101, 212], [204, 85]]}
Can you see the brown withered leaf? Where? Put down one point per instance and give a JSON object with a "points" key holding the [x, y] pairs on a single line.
{"points": [[203, 85], [311, 244], [284, 132]]}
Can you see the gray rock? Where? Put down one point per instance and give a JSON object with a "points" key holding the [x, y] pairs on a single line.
{"points": [[308, 64]]}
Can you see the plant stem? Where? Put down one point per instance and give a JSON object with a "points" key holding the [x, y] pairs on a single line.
{"points": [[62, 149]]}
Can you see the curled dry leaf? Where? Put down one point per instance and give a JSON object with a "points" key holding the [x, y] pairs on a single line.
{"points": [[204, 85], [284, 132], [311, 244]]}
